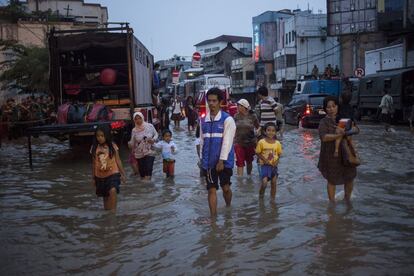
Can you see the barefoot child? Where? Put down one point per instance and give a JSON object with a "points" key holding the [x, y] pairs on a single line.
{"points": [[168, 148], [107, 169], [268, 151]]}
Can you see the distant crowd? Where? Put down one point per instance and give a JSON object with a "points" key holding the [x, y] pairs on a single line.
{"points": [[30, 111]]}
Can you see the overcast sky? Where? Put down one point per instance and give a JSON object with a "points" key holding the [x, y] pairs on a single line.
{"points": [[169, 27]]}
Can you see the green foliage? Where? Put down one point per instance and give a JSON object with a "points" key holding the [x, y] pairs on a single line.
{"points": [[13, 11], [29, 71]]}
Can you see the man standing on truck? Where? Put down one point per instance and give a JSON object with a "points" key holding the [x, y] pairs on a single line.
{"points": [[217, 131], [387, 109]]}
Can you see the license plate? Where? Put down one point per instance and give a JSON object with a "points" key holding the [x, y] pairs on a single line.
{"points": [[322, 112]]}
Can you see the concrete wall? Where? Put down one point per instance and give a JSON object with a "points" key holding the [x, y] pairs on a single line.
{"points": [[353, 50], [384, 59], [316, 50]]}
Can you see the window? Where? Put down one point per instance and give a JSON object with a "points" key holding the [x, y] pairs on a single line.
{"points": [[207, 50], [286, 39], [387, 83], [293, 35], [352, 5], [290, 37], [215, 49], [290, 60], [300, 102], [316, 100], [249, 75], [369, 84]]}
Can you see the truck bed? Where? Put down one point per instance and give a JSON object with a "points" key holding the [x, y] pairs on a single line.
{"points": [[62, 129]]}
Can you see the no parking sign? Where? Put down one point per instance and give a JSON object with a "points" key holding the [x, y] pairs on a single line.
{"points": [[359, 72]]}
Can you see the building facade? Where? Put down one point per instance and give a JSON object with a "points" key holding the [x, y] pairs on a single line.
{"points": [[356, 24], [220, 63], [165, 73], [242, 75], [266, 40], [303, 44], [211, 47], [81, 12]]}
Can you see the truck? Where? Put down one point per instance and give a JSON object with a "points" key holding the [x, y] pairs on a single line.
{"points": [[97, 76], [328, 87], [93, 69], [399, 84]]}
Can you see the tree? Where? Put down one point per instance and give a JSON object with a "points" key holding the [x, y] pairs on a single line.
{"points": [[29, 70], [13, 11]]}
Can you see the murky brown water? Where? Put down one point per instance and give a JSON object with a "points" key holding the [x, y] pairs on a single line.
{"points": [[52, 223]]}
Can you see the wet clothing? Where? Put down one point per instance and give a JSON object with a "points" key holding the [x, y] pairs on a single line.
{"points": [[268, 171], [212, 178], [168, 167], [217, 135], [191, 114], [104, 165], [270, 151], [177, 111], [331, 167], [268, 109], [104, 185], [166, 150], [165, 118], [145, 165], [139, 142], [386, 104], [244, 154], [245, 125]]}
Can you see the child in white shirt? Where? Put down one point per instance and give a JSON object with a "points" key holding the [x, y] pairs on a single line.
{"points": [[168, 148]]}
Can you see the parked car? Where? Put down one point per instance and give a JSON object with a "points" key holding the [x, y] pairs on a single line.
{"points": [[305, 109]]}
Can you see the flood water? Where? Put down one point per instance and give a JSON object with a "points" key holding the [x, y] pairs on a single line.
{"points": [[52, 223]]}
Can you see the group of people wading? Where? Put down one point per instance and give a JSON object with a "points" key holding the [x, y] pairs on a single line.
{"points": [[224, 139]]}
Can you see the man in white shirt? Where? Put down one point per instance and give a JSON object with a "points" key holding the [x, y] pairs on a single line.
{"points": [[387, 109], [217, 132]]}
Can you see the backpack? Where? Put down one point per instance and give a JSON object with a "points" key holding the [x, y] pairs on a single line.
{"points": [[76, 114], [62, 114], [99, 113]]}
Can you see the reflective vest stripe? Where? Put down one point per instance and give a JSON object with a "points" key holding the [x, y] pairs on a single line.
{"points": [[212, 135]]}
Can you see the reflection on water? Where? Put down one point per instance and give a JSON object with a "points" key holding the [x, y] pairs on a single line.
{"points": [[51, 222]]}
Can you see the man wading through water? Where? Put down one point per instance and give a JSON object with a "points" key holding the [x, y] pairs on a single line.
{"points": [[217, 154]]}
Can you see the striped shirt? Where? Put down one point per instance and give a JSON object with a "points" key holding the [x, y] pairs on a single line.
{"points": [[268, 107]]}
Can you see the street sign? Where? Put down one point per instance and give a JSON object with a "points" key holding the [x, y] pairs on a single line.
{"points": [[196, 60], [175, 76], [359, 72], [197, 56]]}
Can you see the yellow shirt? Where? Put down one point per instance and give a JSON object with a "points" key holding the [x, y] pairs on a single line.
{"points": [[270, 151]]}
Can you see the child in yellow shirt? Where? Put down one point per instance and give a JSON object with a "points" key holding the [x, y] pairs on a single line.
{"points": [[268, 151]]}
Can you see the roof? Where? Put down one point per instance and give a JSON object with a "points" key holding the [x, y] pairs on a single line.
{"points": [[391, 72], [226, 38]]}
